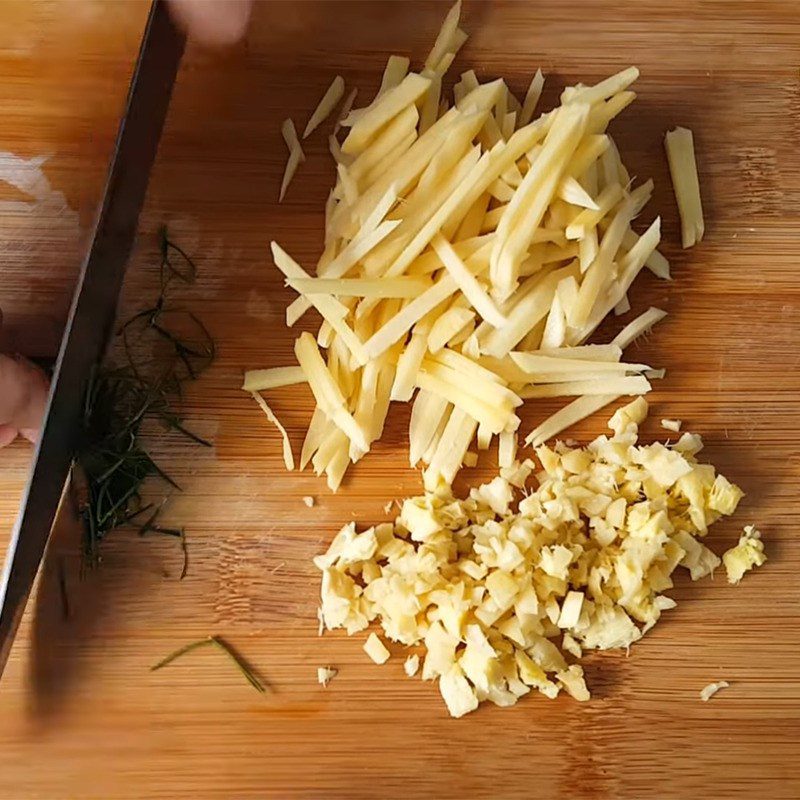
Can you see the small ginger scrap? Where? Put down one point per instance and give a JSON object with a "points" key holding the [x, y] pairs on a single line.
{"points": [[296, 155], [325, 675], [683, 169], [328, 102], [747, 555], [707, 692]]}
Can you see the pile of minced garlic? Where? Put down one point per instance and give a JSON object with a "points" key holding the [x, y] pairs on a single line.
{"points": [[506, 588]]}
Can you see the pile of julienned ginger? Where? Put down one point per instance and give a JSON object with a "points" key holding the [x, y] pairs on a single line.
{"points": [[471, 249], [500, 585]]}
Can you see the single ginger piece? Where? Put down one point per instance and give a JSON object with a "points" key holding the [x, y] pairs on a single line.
{"points": [[749, 553], [707, 692]]}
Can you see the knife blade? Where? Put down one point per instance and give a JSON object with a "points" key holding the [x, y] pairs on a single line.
{"points": [[93, 310]]}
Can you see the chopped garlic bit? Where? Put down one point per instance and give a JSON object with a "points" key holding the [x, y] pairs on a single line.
{"points": [[749, 553], [457, 693], [571, 646], [671, 425], [376, 649], [309, 501], [573, 682], [325, 675], [707, 692], [488, 583], [411, 665]]}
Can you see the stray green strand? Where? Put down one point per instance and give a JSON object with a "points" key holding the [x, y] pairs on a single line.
{"points": [[220, 644], [62, 588], [185, 568]]}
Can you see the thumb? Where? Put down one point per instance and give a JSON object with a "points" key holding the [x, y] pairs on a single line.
{"points": [[7, 435], [23, 397]]}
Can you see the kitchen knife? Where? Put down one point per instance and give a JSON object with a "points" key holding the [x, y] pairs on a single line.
{"points": [[93, 310]]}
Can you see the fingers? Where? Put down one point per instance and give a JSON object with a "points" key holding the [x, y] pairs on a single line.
{"points": [[7, 435], [212, 22], [23, 397], [31, 434]]}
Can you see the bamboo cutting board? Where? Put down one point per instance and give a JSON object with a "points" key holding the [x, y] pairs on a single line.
{"points": [[81, 716]]}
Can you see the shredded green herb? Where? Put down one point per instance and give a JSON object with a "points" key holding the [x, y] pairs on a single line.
{"points": [[221, 645], [165, 346]]}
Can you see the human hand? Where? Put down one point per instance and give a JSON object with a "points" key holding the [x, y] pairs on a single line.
{"points": [[23, 386], [23, 397], [212, 22]]}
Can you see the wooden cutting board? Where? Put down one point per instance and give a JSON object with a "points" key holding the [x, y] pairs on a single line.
{"points": [[80, 714]]}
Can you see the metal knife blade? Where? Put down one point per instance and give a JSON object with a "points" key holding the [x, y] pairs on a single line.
{"points": [[93, 310]]}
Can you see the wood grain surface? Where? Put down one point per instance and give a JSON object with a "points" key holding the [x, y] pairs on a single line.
{"points": [[80, 714]]}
